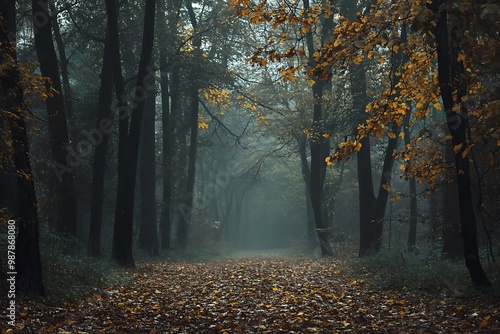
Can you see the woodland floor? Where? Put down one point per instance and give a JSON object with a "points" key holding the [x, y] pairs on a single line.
{"points": [[257, 295]]}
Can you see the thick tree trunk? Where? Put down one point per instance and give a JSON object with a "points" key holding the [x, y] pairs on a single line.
{"points": [[101, 137], [450, 225], [148, 235], [457, 125], [28, 263], [129, 147], [123, 112], [62, 162], [371, 207], [370, 222]]}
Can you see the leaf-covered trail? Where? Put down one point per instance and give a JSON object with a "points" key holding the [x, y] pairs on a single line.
{"points": [[257, 295]]}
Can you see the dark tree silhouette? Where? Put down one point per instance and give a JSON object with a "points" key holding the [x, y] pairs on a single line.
{"points": [[12, 116], [103, 129], [128, 148], [62, 160], [449, 72], [148, 234]]}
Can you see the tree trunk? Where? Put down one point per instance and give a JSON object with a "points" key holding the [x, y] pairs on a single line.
{"points": [[412, 232], [370, 222], [450, 227], [28, 264], [104, 127], [319, 150], [62, 161], [193, 144], [63, 62], [128, 150], [148, 235], [217, 229], [306, 175], [179, 146], [457, 125], [165, 222], [371, 207]]}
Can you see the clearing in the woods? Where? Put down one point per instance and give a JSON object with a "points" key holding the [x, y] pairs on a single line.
{"points": [[252, 294]]}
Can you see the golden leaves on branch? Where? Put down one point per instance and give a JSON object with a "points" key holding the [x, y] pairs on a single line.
{"points": [[372, 40]]}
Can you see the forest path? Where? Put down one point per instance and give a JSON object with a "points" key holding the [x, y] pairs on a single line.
{"points": [[260, 253], [256, 295]]}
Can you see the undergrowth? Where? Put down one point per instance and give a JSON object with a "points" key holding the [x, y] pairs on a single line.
{"points": [[395, 270], [68, 272]]}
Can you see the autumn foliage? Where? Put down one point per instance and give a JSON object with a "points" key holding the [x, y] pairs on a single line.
{"points": [[372, 37]]}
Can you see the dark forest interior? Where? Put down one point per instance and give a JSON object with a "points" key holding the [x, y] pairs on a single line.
{"points": [[240, 166]]}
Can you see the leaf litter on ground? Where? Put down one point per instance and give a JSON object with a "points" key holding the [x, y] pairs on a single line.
{"points": [[256, 295]]}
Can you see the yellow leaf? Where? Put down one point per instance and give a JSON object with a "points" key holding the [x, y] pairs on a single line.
{"points": [[357, 145], [358, 59], [461, 57], [485, 323], [457, 148], [395, 48], [395, 198], [202, 125], [466, 151]]}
